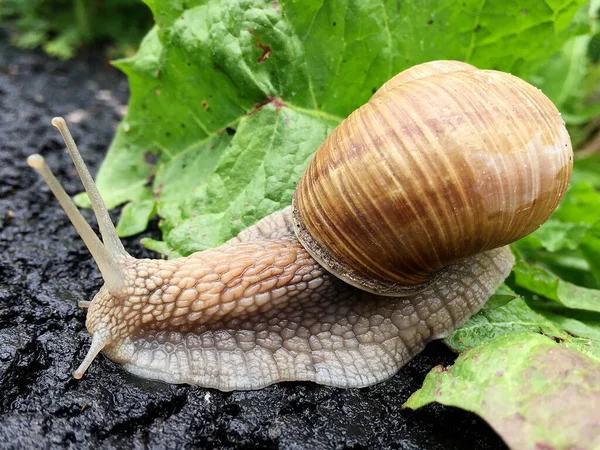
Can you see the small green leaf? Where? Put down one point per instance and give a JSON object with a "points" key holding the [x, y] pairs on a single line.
{"points": [[546, 284], [489, 323], [565, 244], [594, 49], [533, 392], [159, 247], [135, 217], [580, 205], [555, 235], [62, 27], [82, 200], [590, 248], [501, 297], [586, 171]]}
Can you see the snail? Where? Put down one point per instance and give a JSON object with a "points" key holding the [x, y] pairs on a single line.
{"points": [[396, 235]]}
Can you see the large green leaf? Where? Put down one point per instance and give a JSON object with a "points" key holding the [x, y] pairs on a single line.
{"points": [[578, 330], [535, 393], [569, 76], [229, 99]]}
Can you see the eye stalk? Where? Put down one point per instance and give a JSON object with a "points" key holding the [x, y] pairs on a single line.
{"points": [[108, 262], [112, 242]]}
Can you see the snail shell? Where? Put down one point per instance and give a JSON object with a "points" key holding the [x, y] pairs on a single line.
{"points": [[445, 161]]}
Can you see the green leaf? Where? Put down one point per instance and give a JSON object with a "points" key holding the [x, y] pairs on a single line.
{"points": [[254, 177], [546, 284], [555, 235], [63, 46], [587, 171], [594, 49], [501, 297], [576, 329], [282, 75], [159, 247], [580, 205], [561, 78], [533, 392], [62, 26], [581, 331], [489, 323], [571, 77], [136, 217], [590, 248], [566, 244]]}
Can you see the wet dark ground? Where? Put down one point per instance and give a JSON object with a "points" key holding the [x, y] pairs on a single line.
{"points": [[45, 269]]}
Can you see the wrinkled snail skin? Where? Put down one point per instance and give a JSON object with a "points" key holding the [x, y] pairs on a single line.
{"points": [[262, 308], [255, 312]]}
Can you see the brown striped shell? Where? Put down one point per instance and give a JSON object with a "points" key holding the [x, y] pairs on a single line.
{"points": [[443, 162]]}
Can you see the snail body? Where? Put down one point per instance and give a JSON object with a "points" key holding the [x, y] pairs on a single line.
{"points": [[398, 182]]}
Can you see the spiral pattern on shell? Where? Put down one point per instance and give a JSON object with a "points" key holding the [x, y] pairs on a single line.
{"points": [[443, 162]]}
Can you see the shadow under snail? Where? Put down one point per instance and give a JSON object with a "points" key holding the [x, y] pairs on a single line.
{"points": [[397, 234]]}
